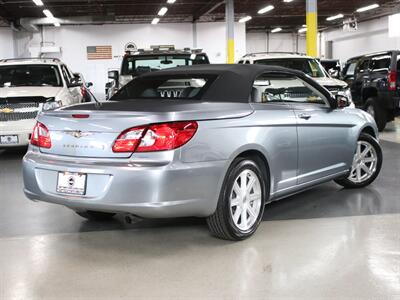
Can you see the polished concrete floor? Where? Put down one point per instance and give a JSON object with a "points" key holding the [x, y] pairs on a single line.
{"points": [[326, 243]]}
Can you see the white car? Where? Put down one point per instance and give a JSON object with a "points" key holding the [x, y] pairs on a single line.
{"points": [[28, 86], [301, 62]]}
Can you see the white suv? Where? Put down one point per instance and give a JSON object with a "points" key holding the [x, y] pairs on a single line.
{"points": [[28, 86], [300, 62]]}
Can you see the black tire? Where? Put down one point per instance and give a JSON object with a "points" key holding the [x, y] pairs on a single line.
{"points": [[379, 113], [221, 223], [347, 183], [95, 215]]}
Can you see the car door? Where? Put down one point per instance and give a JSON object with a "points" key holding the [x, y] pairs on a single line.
{"points": [[361, 79], [324, 146], [276, 129], [75, 91]]}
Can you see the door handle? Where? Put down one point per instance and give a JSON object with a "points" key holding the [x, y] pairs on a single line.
{"points": [[305, 116]]}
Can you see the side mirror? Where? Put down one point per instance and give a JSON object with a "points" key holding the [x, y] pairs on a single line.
{"points": [[74, 82], [342, 101], [89, 84], [334, 73], [114, 75]]}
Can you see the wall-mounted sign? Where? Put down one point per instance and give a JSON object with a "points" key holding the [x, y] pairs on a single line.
{"points": [[130, 47]]}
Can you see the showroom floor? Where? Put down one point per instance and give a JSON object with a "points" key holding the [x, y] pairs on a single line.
{"points": [[325, 243]]}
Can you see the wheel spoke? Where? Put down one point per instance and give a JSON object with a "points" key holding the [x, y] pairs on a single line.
{"points": [[250, 184], [237, 214], [366, 151], [254, 197], [358, 173], [251, 212], [237, 189], [236, 201], [243, 217], [366, 169]]}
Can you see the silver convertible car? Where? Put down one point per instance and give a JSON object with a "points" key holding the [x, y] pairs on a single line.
{"points": [[213, 141]]}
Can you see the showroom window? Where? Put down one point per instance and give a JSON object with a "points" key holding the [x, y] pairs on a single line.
{"points": [[166, 87], [281, 88]]}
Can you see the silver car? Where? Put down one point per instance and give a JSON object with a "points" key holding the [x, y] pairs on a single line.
{"points": [[213, 141]]}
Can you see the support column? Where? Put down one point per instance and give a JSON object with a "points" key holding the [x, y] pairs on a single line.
{"points": [[312, 27], [230, 31], [194, 31]]}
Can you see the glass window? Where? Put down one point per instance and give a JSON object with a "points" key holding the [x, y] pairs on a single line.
{"points": [[136, 65], [65, 73], [310, 67], [165, 88], [351, 69], [270, 88], [381, 63], [364, 66], [29, 75]]}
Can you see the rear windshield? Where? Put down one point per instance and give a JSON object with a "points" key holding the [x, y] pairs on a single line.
{"points": [[29, 75], [165, 88], [310, 67], [137, 65]]}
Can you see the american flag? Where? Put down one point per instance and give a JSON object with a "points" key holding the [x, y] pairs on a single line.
{"points": [[99, 52]]}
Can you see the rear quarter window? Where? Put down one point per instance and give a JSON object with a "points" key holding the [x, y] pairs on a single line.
{"points": [[381, 63]]}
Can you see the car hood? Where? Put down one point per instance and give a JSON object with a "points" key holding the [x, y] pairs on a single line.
{"points": [[331, 82], [29, 91]]}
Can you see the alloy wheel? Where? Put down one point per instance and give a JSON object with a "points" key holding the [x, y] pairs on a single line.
{"points": [[364, 163], [245, 200]]}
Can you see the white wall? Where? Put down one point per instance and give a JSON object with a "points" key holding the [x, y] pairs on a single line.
{"points": [[73, 41], [275, 42], [371, 36], [6, 42]]}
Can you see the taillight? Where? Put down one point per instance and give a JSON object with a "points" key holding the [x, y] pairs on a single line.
{"points": [[158, 137], [83, 91], [392, 81], [40, 136]]}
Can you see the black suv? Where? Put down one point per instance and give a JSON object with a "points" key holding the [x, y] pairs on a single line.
{"points": [[375, 84]]}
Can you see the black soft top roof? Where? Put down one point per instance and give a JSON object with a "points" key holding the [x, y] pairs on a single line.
{"points": [[233, 82]]}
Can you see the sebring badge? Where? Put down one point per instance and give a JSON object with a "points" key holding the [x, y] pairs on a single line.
{"points": [[78, 134]]}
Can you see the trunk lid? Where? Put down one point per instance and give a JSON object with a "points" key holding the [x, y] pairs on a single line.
{"points": [[94, 136]]}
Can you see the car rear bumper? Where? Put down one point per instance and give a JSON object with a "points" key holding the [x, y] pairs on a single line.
{"points": [[23, 129], [151, 191]]}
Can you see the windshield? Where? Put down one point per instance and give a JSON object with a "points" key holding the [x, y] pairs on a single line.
{"points": [[310, 67], [165, 88], [136, 65], [29, 75]]}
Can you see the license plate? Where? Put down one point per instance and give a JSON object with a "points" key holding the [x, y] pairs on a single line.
{"points": [[71, 183], [8, 139]]}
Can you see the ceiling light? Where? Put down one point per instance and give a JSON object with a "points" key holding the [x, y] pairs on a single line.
{"points": [[266, 9], [369, 7], [162, 11], [155, 21], [304, 29], [245, 19], [56, 24], [339, 16], [287, 1], [38, 2], [275, 30], [171, 1], [48, 14]]}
